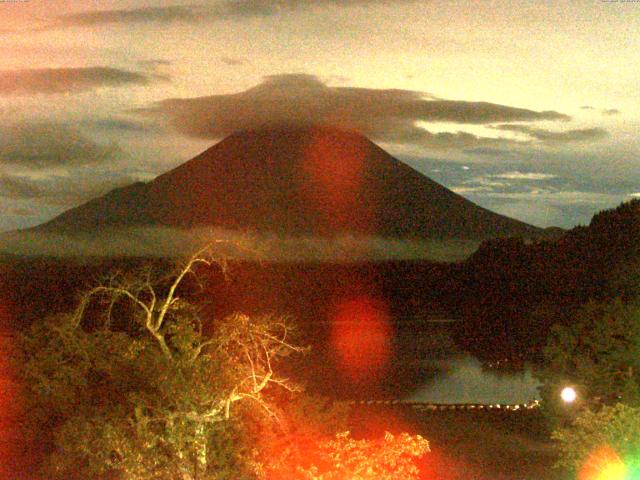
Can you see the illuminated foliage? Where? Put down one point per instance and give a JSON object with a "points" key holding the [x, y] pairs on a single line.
{"points": [[598, 434], [598, 354], [129, 384], [603, 445], [303, 445], [302, 419], [342, 457]]}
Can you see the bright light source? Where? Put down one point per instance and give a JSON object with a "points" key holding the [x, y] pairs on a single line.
{"points": [[568, 395]]}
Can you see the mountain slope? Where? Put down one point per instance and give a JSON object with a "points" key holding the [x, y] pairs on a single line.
{"points": [[313, 181]]}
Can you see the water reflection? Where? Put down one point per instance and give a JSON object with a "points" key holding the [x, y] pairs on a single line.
{"points": [[464, 380]]}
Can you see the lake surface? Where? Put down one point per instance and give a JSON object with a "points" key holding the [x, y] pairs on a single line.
{"points": [[462, 379], [426, 366]]}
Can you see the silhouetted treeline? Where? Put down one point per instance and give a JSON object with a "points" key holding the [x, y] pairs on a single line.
{"points": [[508, 293], [511, 292]]}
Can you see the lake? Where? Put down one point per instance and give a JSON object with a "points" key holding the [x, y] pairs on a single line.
{"points": [[462, 379]]}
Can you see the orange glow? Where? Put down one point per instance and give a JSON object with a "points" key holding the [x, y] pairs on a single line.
{"points": [[334, 168], [361, 337], [603, 464], [341, 455], [5, 314], [372, 422], [9, 401]]}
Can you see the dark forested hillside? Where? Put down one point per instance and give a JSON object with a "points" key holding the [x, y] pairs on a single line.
{"points": [[513, 291]]}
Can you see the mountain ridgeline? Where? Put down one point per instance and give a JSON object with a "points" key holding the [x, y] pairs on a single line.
{"points": [[295, 182]]}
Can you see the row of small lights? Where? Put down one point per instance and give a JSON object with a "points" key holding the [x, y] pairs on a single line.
{"points": [[568, 395], [497, 406], [445, 406]]}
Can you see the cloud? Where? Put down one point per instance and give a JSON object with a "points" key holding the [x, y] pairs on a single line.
{"points": [[576, 183], [117, 124], [18, 211], [551, 137], [497, 183], [467, 190], [407, 133], [604, 111], [562, 207], [250, 8], [233, 61], [564, 197], [635, 195], [440, 140], [304, 100], [183, 13], [49, 144], [61, 190], [16, 187], [165, 241], [153, 63], [68, 80], [542, 214], [516, 175], [221, 10], [485, 181], [159, 68], [491, 152]]}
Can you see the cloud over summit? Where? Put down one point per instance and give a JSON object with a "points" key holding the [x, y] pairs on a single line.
{"points": [[304, 100]]}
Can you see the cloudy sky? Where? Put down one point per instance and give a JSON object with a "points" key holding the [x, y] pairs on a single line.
{"points": [[531, 109]]}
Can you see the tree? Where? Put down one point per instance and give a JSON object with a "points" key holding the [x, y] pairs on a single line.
{"points": [[342, 457], [311, 441], [603, 444], [598, 354], [303, 419], [130, 385]]}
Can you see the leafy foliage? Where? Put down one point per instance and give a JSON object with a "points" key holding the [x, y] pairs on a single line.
{"points": [[595, 440], [597, 355], [391, 457], [128, 385], [141, 391]]}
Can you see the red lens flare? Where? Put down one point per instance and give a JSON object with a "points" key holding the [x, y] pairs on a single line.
{"points": [[9, 398], [361, 336], [334, 170]]}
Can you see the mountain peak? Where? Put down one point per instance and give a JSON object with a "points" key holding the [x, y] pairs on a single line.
{"points": [[296, 181]]}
